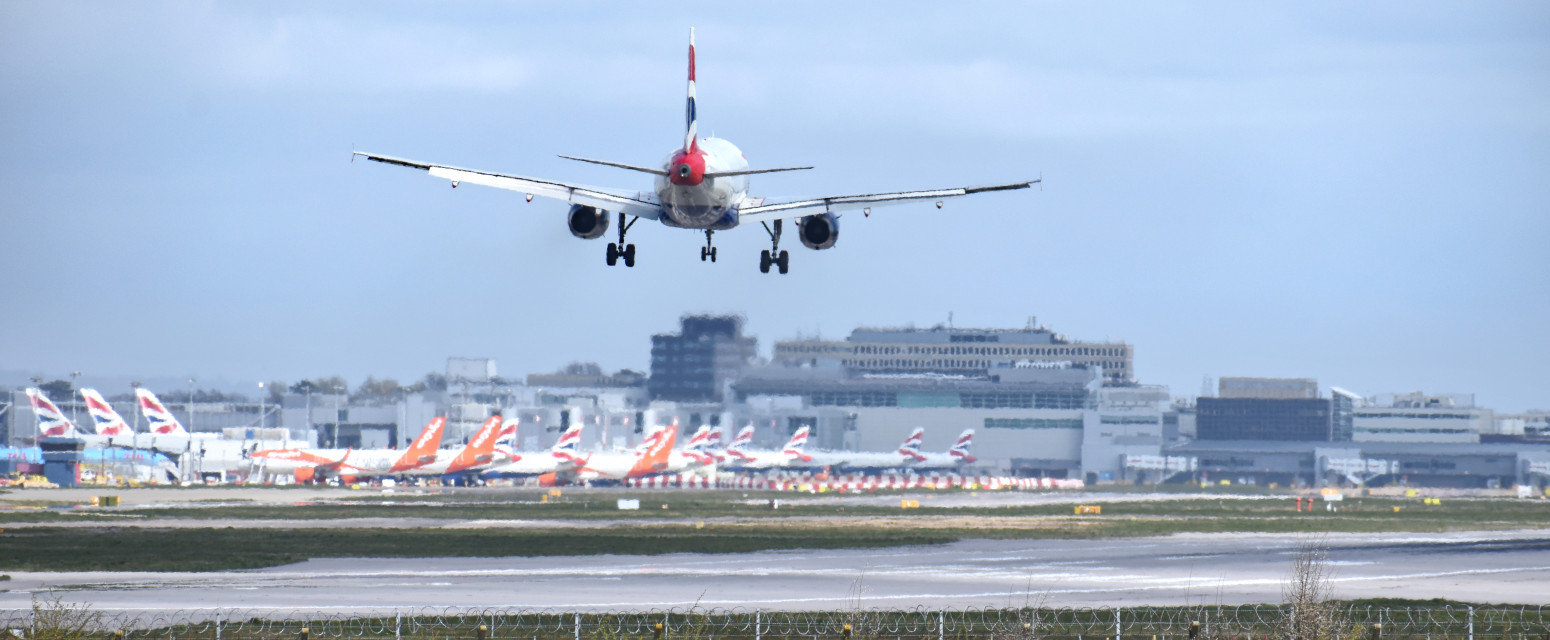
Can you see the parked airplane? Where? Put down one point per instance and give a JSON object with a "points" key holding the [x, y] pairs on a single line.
{"points": [[561, 458], [741, 458], [649, 458], [478, 454], [52, 422], [956, 456], [303, 464], [162, 422], [315, 464], [879, 460], [703, 186]]}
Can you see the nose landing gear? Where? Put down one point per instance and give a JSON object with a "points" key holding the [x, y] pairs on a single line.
{"points": [[773, 255]]}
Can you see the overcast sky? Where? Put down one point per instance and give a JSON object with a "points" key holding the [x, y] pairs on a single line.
{"points": [[1354, 192]]}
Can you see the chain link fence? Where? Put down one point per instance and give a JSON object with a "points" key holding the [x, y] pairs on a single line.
{"points": [[1142, 623]]}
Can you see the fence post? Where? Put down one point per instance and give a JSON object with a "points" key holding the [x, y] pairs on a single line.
{"points": [[398, 625], [1194, 629], [1117, 611], [941, 624], [305, 632], [657, 634], [578, 626], [1471, 623], [1377, 631], [217, 625], [758, 634], [846, 632], [481, 632]]}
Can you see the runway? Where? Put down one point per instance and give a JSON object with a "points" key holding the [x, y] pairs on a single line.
{"points": [[1487, 567]]}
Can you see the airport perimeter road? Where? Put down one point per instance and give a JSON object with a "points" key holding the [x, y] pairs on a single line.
{"points": [[1500, 567]]}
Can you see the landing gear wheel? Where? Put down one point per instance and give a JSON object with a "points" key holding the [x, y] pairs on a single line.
{"points": [[613, 254], [764, 261], [629, 255], [785, 261], [712, 254], [702, 254]]}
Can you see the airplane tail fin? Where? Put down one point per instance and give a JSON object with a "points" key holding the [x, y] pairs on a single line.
{"points": [[911, 447], [109, 423], [569, 443], [690, 135], [480, 450], [742, 440], [960, 450], [700, 440], [423, 450], [51, 421], [797, 442], [162, 421]]}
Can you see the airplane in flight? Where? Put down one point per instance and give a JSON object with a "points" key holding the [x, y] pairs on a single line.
{"points": [[702, 186]]}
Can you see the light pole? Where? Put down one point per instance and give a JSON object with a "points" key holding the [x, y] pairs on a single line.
{"points": [[338, 391], [260, 405], [134, 430], [73, 404], [191, 405], [37, 423]]}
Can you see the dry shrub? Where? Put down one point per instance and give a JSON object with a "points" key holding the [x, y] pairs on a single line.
{"points": [[1307, 598], [56, 620]]}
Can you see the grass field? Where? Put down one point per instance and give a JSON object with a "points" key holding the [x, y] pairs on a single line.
{"points": [[202, 537]]}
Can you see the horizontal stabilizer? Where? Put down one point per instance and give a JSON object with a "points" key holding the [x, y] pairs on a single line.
{"points": [[655, 172], [749, 172]]}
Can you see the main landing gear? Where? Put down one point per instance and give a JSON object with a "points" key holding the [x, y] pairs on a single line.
{"points": [[774, 255], [708, 251], [622, 250]]}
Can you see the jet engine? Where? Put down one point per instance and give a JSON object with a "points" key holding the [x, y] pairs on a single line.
{"points": [[587, 222], [820, 231]]}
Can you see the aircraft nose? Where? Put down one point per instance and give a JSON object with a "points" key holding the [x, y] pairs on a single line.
{"points": [[684, 170]]}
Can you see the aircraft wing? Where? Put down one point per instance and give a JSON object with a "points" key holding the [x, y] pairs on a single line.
{"points": [[573, 194], [782, 210]]}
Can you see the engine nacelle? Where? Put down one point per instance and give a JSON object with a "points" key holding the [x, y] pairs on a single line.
{"points": [[820, 231], [587, 222]]}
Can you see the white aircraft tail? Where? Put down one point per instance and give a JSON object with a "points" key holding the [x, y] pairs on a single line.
{"points": [[109, 423], [911, 446], [689, 136], [52, 422], [161, 420], [798, 441], [743, 439], [960, 450]]}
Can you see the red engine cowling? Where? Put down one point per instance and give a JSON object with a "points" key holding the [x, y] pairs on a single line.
{"points": [[587, 222]]}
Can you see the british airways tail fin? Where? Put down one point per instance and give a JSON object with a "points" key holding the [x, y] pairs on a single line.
{"points": [[109, 423], [960, 450], [52, 422], [570, 441], [689, 136], [911, 446], [742, 440], [161, 420], [798, 441]]}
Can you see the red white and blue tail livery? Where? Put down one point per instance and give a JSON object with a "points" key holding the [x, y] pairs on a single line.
{"points": [[109, 423], [52, 422], [702, 186], [956, 456], [161, 420]]}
